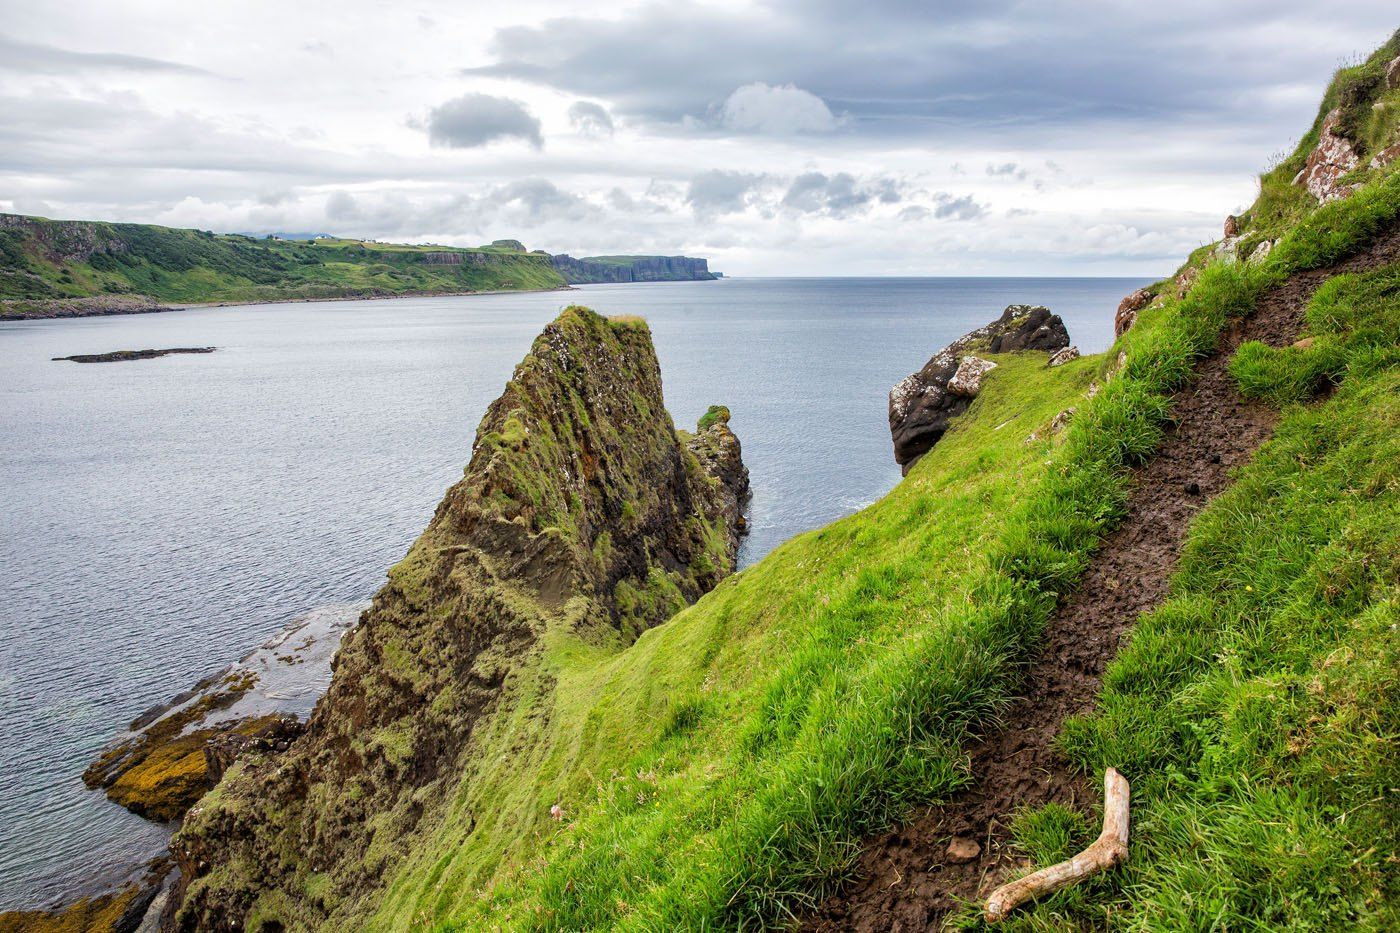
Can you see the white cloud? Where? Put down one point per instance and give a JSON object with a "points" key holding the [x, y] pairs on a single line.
{"points": [[784, 110], [590, 119]]}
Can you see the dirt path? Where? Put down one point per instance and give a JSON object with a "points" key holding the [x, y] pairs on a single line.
{"points": [[906, 879]]}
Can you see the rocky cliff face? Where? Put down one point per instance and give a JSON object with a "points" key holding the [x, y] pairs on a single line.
{"points": [[581, 510], [923, 405], [593, 269]]}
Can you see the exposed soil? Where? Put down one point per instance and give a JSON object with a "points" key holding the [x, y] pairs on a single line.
{"points": [[913, 877]]}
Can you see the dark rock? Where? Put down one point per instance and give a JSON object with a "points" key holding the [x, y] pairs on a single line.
{"points": [[717, 450], [120, 356], [1128, 309], [922, 406], [1193, 489]]}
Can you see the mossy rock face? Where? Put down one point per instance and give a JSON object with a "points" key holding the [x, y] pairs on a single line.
{"points": [[581, 511]]}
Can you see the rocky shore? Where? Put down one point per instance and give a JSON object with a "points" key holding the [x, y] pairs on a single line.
{"points": [[38, 309]]}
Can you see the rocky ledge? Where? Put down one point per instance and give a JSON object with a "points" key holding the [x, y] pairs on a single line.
{"points": [[173, 753], [121, 356], [923, 405], [583, 514]]}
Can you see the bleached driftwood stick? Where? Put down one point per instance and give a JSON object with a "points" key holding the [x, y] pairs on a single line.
{"points": [[1110, 849]]}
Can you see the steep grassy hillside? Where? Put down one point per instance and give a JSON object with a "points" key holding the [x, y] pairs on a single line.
{"points": [[47, 260], [722, 771]]}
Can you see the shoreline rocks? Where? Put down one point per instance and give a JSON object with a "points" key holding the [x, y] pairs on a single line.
{"points": [[42, 309], [923, 405], [176, 751]]}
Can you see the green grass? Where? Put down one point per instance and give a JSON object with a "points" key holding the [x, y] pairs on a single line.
{"points": [[195, 266], [721, 771], [1257, 712]]}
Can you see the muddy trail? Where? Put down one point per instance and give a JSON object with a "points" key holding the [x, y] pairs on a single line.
{"points": [[911, 878]]}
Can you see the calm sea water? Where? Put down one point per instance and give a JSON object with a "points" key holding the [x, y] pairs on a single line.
{"points": [[159, 518]]}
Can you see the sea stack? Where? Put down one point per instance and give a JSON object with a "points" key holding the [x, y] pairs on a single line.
{"points": [[582, 516]]}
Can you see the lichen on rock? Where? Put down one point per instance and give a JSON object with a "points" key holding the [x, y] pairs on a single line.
{"points": [[583, 514]]}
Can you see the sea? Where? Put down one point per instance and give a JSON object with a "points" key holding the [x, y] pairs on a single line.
{"points": [[161, 518]]}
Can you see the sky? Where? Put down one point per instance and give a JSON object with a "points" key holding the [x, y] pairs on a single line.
{"points": [[788, 137]]}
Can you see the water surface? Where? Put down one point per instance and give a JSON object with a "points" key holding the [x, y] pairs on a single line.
{"points": [[159, 518]]}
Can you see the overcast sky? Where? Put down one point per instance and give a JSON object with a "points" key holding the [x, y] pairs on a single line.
{"points": [[904, 137]]}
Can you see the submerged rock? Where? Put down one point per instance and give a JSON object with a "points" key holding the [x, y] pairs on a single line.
{"points": [[923, 405], [583, 516], [121, 356]]}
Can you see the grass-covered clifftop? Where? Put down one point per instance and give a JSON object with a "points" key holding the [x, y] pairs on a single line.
{"points": [[53, 260]]}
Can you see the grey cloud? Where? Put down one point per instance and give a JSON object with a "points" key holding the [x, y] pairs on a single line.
{"points": [[33, 58], [815, 193], [1006, 170], [342, 206], [720, 192], [947, 207], [839, 195], [477, 119], [590, 119], [900, 69]]}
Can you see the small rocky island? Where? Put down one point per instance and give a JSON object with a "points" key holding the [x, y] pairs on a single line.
{"points": [[121, 356]]}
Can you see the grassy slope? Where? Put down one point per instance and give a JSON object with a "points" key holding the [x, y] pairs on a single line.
{"points": [[192, 266], [722, 769]]}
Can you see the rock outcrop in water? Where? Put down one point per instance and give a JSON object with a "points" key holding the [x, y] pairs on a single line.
{"points": [[121, 356], [923, 405], [582, 511]]}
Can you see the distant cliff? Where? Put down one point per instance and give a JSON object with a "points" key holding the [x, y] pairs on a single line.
{"points": [[593, 269], [583, 520]]}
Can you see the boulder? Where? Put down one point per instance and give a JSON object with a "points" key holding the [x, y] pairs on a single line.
{"points": [[1186, 279], [1261, 252], [1331, 158], [967, 380], [1127, 313], [922, 405], [1232, 226], [1392, 74], [1386, 156], [1061, 357]]}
